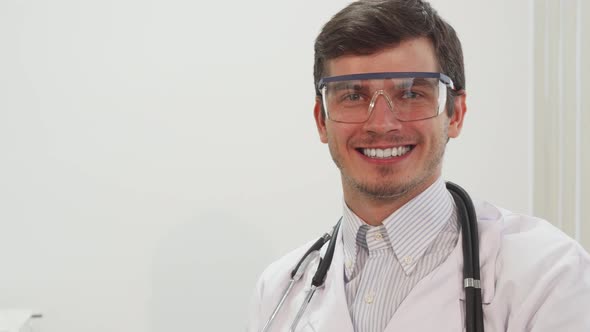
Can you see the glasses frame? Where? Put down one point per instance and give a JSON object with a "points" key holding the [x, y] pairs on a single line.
{"points": [[446, 80]]}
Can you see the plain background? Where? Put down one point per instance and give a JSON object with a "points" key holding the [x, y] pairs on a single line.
{"points": [[157, 155]]}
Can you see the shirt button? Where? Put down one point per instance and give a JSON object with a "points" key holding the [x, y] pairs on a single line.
{"points": [[407, 260], [348, 263], [369, 298], [378, 236]]}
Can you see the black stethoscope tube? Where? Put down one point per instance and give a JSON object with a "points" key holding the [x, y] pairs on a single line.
{"points": [[315, 247], [320, 275], [470, 238]]}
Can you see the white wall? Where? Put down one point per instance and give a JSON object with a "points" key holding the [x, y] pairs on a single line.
{"points": [[156, 155], [562, 121]]}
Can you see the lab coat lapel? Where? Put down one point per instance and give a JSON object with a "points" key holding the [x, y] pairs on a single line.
{"points": [[328, 308], [433, 304]]}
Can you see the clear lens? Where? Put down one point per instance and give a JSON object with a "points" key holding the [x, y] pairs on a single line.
{"points": [[410, 99]]}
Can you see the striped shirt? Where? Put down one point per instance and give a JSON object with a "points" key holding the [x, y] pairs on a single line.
{"points": [[384, 263]]}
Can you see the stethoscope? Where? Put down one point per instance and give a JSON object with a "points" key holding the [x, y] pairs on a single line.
{"points": [[471, 274]]}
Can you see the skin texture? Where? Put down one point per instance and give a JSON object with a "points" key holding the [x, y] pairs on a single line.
{"points": [[374, 189]]}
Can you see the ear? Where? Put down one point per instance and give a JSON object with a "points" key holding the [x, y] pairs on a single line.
{"points": [[456, 122], [320, 120]]}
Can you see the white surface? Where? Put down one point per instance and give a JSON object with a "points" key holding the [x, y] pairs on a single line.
{"points": [[13, 320], [156, 155]]}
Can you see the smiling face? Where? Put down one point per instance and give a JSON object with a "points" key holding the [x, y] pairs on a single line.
{"points": [[383, 158]]}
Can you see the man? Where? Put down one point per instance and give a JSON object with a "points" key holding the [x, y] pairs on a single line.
{"points": [[390, 93]]}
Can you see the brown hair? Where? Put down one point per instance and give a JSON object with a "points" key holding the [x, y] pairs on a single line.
{"points": [[367, 26]]}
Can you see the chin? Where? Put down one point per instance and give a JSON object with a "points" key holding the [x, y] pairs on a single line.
{"points": [[378, 190], [388, 185]]}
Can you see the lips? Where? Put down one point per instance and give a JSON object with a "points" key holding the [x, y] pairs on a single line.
{"points": [[383, 153]]}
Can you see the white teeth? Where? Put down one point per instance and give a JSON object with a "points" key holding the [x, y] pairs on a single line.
{"points": [[386, 153]]}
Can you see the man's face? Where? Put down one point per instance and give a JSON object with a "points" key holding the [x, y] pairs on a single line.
{"points": [[421, 143]]}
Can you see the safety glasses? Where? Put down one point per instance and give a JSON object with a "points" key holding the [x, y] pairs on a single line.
{"points": [[411, 96]]}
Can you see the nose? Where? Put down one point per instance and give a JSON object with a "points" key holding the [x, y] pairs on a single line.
{"points": [[382, 118]]}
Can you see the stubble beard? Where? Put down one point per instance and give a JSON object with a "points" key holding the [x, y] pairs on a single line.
{"points": [[383, 191]]}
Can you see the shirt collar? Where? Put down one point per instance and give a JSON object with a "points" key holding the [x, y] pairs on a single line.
{"points": [[353, 226], [410, 230]]}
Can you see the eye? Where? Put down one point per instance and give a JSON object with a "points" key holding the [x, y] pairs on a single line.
{"points": [[409, 94], [353, 97]]}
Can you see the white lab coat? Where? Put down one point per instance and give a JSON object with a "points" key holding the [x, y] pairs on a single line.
{"points": [[534, 278]]}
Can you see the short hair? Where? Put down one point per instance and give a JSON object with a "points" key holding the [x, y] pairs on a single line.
{"points": [[367, 26]]}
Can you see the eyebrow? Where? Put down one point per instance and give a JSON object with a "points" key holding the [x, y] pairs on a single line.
{"points": [[348, 85], [415, 82], [360, 85]]}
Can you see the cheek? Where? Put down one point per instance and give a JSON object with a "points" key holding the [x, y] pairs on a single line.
{"points": [[338, 134], [337, 143], [439, 138], [431, 136], [340, 142]]}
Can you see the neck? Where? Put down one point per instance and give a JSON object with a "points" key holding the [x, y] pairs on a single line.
{"points": [[373, 210]]}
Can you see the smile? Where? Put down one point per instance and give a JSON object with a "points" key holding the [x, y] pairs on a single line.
{"points": [[386, 153]]}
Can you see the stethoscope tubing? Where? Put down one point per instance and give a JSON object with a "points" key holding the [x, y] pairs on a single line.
{"points": [[470, 238], [303, 307], [279, 305], [296, 274]]}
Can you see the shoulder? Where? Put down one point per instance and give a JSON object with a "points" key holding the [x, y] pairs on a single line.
{"points": [[271, 282], [535, 250], [275, 277], [519, 234], [523, 240], [523, 236], [538, 271], [281, 268]]}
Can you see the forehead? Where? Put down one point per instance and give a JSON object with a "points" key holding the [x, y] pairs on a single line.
{"points": [[413, 55]]}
